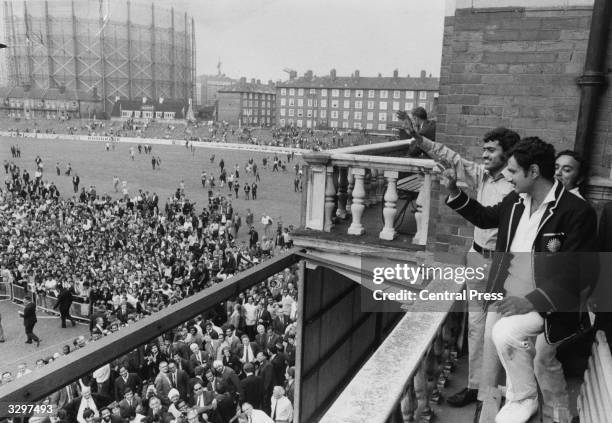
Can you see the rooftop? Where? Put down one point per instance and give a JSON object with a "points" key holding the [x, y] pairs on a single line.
{"points": [[363, 82]]}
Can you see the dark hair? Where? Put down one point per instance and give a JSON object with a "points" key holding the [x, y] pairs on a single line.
{"points": [[506, 138], [420, 112], [583, 170], [88, 412], [533, 151]]}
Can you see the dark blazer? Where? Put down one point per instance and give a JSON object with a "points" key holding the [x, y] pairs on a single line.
{"points": [[266, 371], [125, 409], [182, 382], [265, 318], [279, 363], [568, 225], [29, 315], [253, 389], [64, 300], [133, 382]]}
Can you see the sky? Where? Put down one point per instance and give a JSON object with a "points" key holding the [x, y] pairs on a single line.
{"points": [[259, 38]]}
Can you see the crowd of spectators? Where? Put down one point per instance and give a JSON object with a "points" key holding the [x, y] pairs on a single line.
{"points": [[124, 259]]}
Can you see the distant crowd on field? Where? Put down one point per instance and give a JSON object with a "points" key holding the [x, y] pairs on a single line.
{"points": [[305, 138]]}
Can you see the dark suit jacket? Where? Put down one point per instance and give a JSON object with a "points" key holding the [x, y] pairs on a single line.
{"points": [[265, 318], [60, 398], [29, 315], [568, 226], [231, 379], [194, 362], [182, 382], [253, 389], [266, 371], [279, 363], [133, 381], [125, 409], [64, 300]]}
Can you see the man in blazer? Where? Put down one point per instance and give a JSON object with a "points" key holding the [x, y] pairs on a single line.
{"points": [[179, 379], [252, 386], [540, 286], [126, 380], [29, 321], [64, 395], [128, 404]]}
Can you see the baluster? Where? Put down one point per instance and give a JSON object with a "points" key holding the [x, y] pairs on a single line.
{"points": [[335, 178], [390, 209], [380, 190], [330, 196], [409, 402], [367, 187], [357, 206], [373, 196], [421, 391], [349, 191], [422, 214], [342, 193]]}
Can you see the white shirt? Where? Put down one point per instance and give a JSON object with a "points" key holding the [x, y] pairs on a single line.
{"points": [[281, 409], [520, 281], [250, 314], [258, 416]]}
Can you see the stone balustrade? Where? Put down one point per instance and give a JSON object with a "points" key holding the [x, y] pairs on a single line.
{"points": [[342, 184]]}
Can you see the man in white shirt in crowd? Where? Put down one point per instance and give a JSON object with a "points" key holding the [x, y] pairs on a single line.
{"points": [[282, 410]]}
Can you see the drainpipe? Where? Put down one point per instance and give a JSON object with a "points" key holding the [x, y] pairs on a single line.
{"points": [[593, 81]]}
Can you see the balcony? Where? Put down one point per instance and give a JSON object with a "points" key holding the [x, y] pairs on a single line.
{"points": [[367, 198]]}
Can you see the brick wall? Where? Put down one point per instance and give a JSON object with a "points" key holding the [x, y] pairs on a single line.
{"points": [[516, 68]]}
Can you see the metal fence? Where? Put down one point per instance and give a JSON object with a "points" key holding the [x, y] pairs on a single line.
{"points": [[46, 302]]}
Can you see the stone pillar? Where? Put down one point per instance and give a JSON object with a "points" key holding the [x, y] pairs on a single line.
{"points": [[342, 193], [380, 189], [315, 196], [367, 187], [422, 215], [357, 207], [330, 197], [349, 191], [390, 209]]}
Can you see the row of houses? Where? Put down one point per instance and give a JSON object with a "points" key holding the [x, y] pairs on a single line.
{"points": [[327, 102]]}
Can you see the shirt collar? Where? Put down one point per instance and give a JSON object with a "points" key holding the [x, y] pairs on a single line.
{"points": [[501, 175]]}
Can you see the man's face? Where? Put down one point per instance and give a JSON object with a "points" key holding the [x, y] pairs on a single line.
{"points": [[128, 396], [521, 179], [66, 350], [567, 171], [106, 415], [493, 156], [172, 367], [163, 368]]}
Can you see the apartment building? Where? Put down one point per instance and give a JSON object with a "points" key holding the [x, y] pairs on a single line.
{"points": [[246, 103]]}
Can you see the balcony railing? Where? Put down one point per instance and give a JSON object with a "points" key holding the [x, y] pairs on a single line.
{"points": [[405, 375], [347, 185]]}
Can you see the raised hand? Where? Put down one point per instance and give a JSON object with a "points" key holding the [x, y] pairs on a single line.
{"points": [[449, 177]]}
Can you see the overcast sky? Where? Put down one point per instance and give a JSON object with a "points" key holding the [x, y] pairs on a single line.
{"points": [[260, 38]]}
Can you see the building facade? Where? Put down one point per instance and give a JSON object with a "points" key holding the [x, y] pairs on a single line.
{"points": [[50, 103], [210, 86], [148, 110], [251, 103], [353, 102]]}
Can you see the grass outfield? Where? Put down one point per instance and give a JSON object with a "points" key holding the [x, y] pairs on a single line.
{"points": [[96, 166]]}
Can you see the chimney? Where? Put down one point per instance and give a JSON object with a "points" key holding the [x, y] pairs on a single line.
{"points": [[395, 73], [243, 80], [430, 75], [423, 74], [380, 75], [308, 75], [357, 74], [332, 74], [408, 75], [292, 75], [252, 80], [259, 82]]}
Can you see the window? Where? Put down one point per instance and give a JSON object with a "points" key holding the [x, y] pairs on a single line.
{"points": [[396, 94], [299, 123], [300, 113], [147, 115], [423, 105], [158, 115], [335, 93], [357, 115], [291, 91], [323, 93], [323, 114], [301, 92], [370, 115], [384, 94], [370, 105], [369, 126], [347, 93], [137, 113], [291, 112], [334, 104], [282, 122], [382, 105], [359, 104], [283, 102], [370, 93], [308, 124], [334, 124], [128, 113], [410, 94], [345, 125], [345, 115], [245, 103], [394, 117], [309, 113], [300, 102], [347, 104], [396, 105], [312, 91], [382, 117], [382, 127], [282, 112], [291, 102], [408, 106], [334, 114], [310, 102], [359, 93], [323, 102], [357, 125], [423, 95]]}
